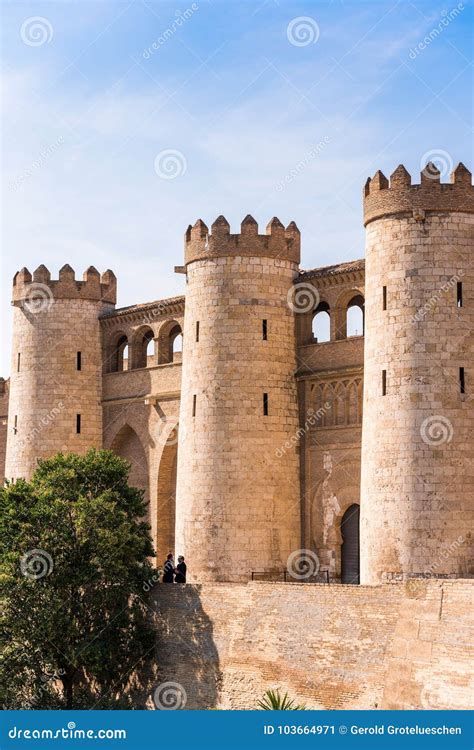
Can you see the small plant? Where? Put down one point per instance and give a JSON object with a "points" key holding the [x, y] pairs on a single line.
{"points": [[273, 701]]}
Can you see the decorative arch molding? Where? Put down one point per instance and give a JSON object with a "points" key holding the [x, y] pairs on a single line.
{"points": [[338, 403]]}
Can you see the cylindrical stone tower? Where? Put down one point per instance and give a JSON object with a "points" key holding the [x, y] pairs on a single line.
{"points": [[238, 499], [55, 385], [417, 489]]}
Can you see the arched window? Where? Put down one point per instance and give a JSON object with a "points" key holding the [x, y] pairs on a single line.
{"points": [[355, 316], [178, 343], [150, 350], [321, 323], [125, 358], [170, 343], [143, 348], [118, 357]]}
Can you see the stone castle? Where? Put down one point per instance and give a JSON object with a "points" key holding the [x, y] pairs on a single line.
{"points": [[257, 444]]}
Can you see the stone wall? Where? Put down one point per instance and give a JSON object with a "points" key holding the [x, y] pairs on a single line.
{"points": [[417, 486], [238, 492], [49, 392], [399, 646]]}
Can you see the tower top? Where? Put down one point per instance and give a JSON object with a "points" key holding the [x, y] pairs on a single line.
{"points": [[93, 286], [384, 198], [277, 242]]}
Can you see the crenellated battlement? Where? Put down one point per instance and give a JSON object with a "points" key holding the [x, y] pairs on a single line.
{"points": [[277, 242], [93, 285], [384, 198]]}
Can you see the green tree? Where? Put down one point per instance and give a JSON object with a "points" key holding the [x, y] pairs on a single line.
{"points": [[75, 564], [273, 701]]}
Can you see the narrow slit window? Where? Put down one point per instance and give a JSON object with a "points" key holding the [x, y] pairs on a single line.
{"points": [[194, 405], [18, 361], [79, 361], [462, 381], [384, 297], [265, 404], [264, 330], [384, 382], [459, 293], [78, 424], [197, 330], [15, 425]]}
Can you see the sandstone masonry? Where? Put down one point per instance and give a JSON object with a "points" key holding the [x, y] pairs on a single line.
{"points": [[255, 443]]}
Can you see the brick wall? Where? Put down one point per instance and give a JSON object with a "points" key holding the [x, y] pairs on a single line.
{"points": [[398, 646]]}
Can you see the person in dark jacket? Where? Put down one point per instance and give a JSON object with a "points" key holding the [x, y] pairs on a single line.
{"points": [[168, 569], [180, 570]]}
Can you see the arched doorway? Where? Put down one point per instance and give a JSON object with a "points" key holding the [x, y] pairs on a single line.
{"points": [[350, 564]]}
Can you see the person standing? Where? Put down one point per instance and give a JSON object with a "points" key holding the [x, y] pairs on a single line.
{"points": [[180, 570], [168, 569]]}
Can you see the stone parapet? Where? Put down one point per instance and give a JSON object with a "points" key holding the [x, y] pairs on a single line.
{"points": [[383, 198], [278, 242]]}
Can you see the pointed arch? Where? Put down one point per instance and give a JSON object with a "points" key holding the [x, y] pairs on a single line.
{"points": [[127, 444], [166, 498]]}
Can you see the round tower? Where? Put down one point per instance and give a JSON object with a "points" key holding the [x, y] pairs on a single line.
{"points": [[417, 488], [55, 385], [237, 501]]}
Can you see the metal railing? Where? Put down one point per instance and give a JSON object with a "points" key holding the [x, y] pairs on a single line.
{"points": [[285, 577]]}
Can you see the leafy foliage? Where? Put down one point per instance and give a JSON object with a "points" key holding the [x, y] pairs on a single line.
{"points": [[75, 622], [273, 701]]}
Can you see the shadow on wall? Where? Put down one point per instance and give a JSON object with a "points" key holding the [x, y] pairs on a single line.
{"points": [[186, 653]]}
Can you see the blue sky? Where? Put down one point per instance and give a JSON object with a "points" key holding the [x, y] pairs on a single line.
{"points": [[270, 108]]}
